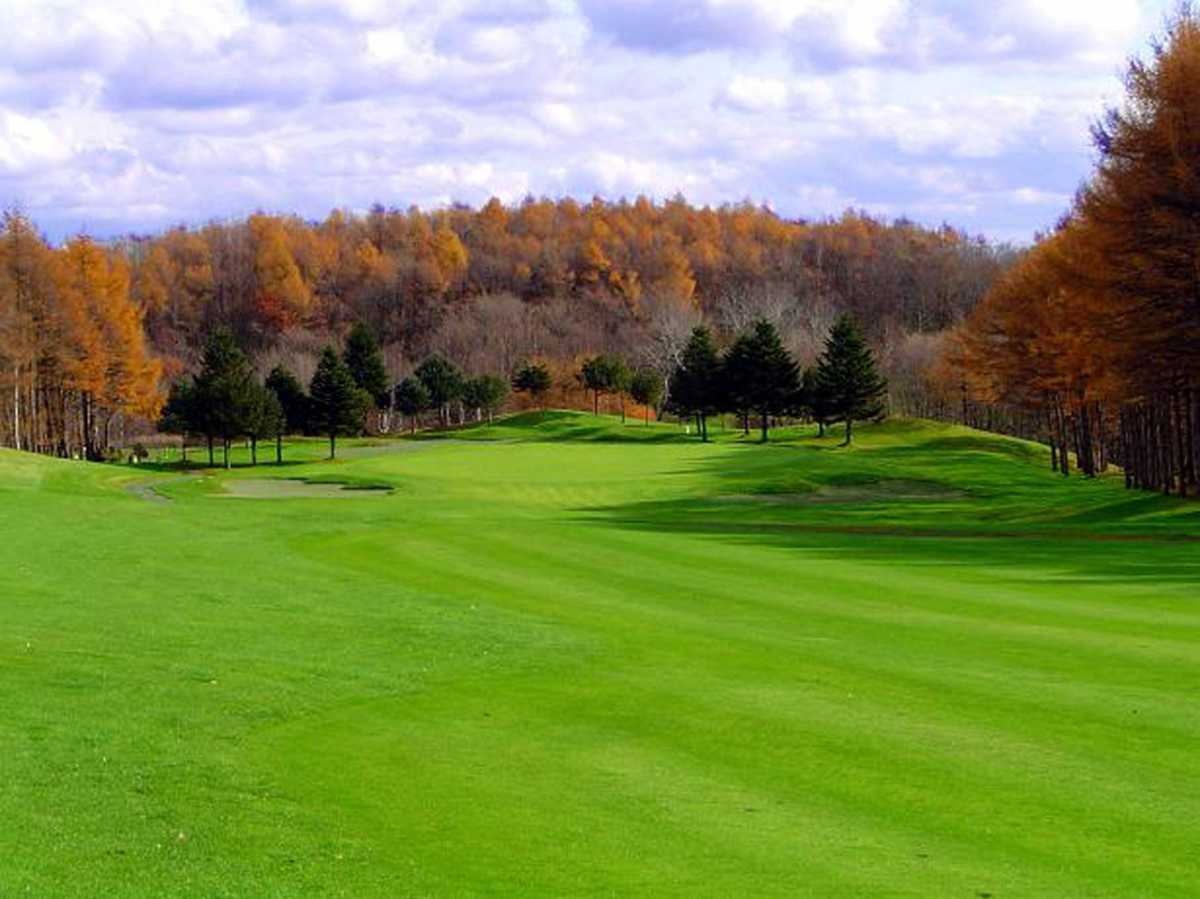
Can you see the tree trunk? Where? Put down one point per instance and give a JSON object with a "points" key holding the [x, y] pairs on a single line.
{"points": [[1054, 443], [254, 451], [89, 446], [595, 402], [35, 430], [332, 445], [210, 451], [1180, 445], [765, 424], [849, 431], [278, 449], [1064, 451], [225, 450], [17, 406]]}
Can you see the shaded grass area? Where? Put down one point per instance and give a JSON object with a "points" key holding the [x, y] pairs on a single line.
{"points": [[557, 660]]}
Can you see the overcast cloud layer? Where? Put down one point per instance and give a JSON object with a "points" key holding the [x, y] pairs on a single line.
{"points": [[119, 116]]}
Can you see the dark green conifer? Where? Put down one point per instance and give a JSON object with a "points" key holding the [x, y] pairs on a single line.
{"points": [[365, 361], [695, 388], [760, 375], [847, 380], [338, 406]]}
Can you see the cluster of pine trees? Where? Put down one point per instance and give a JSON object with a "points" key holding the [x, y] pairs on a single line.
{"points": [[225, 402], [1095, 334], [757, 377]]}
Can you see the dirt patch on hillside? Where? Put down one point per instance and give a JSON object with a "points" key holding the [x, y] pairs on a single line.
{"points": [[151, 490]]}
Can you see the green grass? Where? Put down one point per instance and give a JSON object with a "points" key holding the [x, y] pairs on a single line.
{"points": [[564, 657]]}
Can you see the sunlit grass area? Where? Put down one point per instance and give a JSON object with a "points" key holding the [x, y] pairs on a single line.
{"points": [[561, 656]]}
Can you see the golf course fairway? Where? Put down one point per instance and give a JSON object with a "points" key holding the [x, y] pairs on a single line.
{"points": [[560, 656]]}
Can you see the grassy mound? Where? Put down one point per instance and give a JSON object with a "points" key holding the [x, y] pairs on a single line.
{"points": [[559, 660]]}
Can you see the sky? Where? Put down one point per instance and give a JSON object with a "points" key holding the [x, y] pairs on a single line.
{"points": [[119, 116]]}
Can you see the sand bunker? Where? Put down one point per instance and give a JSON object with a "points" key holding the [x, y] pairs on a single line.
{"points": [[294, 488]]}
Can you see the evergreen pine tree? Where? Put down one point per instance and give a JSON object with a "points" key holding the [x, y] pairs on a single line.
{"points": [[533, 378], [485, 395], [365, 361], [761, 375], [412, 399], [286, 386], [695, 387], [338, 405], [444, 383], [602, 375], [264, 420], [275, 421], [223, 392], [178, 414], [813, 401], [646, 388], [847, 379]]}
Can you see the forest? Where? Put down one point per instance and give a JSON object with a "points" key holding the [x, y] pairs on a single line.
{"points": [[92, 334], [1092, 341]]}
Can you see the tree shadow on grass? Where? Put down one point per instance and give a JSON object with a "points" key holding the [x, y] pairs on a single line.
{"points": [[1005, 512], [1065, 555], [193, 467]]}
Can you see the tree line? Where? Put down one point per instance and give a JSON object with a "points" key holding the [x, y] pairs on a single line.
{"points": [[74, 362], [1092, 341], [553, 280], [225, 401], [756, 377], [406, 273]]}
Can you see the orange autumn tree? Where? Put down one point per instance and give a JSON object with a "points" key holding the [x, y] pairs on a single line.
{"points": [[282, 296], [101, 350], [27, 337], [1100, 326]]}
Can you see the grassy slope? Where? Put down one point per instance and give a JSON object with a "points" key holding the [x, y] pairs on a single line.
{"points": [[568, 658]]}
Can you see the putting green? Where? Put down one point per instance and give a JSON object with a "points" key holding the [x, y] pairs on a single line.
{"points": [[565, 657]]}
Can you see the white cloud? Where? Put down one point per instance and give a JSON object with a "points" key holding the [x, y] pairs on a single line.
{"points": [[560, 117], [125, 115], [1032, 196], [752, 94], [27, 143]]}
